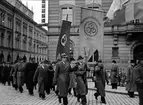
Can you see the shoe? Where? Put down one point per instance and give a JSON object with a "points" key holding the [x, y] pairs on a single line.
{"points": [[43, 96], [78, 99], [40, 95], [21, 89], [103, 100], [60, 101], [96, 96]]}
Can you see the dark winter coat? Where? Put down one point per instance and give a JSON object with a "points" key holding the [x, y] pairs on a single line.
{"points": [[41, 75], [30, 69], [114, 74], [82, 87], [61, 78], [5, 73], [101, 78]]}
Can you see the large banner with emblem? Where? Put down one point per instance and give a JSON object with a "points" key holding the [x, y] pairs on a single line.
{"points": [[91, 32], [64, 40]]}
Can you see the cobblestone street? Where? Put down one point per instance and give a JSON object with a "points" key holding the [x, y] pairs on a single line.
{"points": [[8, 96]]}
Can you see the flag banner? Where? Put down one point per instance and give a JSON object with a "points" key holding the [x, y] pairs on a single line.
{"points": [[138, 10], [91, 32], [132, 10], [64, 40]]}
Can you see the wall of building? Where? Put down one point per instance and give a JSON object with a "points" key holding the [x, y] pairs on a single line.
{"points": [[21, 43]]}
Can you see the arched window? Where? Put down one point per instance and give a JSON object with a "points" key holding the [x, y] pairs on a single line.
{"points": [[94, 57], [9, 58], [24, 58], [1, 58]]}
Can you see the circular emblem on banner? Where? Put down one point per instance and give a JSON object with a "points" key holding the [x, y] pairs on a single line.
{"points": [[63, 40], [91, 28]]}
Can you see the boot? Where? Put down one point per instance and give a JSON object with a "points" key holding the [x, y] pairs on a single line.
{"points": [[21, 89], [78, 98], [65, 100], [96, 95], [60, 101], [103, 100]]}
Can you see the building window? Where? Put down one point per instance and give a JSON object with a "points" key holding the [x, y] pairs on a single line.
{"points": [[115, 51], [67, 13], [43, 20], [43, 6], [93, 7], [94, 57], [24, 28], [43, 11], [43, 1], [2, 39], [18, 26], [2, 17], [43, 15], [9, 41], [9, 22]]}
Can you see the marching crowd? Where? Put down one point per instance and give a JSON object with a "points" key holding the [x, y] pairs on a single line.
{"points": [[63, 76]]}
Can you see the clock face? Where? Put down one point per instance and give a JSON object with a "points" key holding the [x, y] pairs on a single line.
{"points": [[91, 28]]}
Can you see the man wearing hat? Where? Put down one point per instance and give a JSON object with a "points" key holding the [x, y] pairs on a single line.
{"points": [[82, 88], [61, 78], [139, 78], [101, 78], [114, 75], [131, 86]]}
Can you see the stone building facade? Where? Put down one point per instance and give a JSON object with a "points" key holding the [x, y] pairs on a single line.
{"points": [[20, 35], [121, 43]]}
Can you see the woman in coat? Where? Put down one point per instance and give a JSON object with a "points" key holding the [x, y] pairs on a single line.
{"points": [[61, 78], [131, 86], [114, 75]]}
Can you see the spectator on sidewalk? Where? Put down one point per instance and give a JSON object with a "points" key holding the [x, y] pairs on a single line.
{"points": [[114, 75], [139, 78], [101, 78], [131, 86], [123, 79]]}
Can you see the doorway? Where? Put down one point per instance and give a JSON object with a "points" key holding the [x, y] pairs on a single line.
{"points": [[136, 52]]}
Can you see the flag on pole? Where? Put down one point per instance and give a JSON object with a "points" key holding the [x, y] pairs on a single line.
{"points": [[132, 10], [64, 41], [90, 32]]}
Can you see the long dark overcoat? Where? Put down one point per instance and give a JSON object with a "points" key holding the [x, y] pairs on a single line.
{"points": [[29, 73], [61, 78], [101, 77], [41, 75], [114, 74], [82, 87], [131, 86]]}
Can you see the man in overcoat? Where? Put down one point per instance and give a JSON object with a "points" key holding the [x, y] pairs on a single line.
{"points": [[101, 78], [139, 78], [19, 74], [30, 69], [114, 75], [61, 78], [41, 75], [131, 86], [82, 87]]}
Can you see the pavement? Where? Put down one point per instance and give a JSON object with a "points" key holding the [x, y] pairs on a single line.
{"points": [[9, 96], [108, 88]]}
